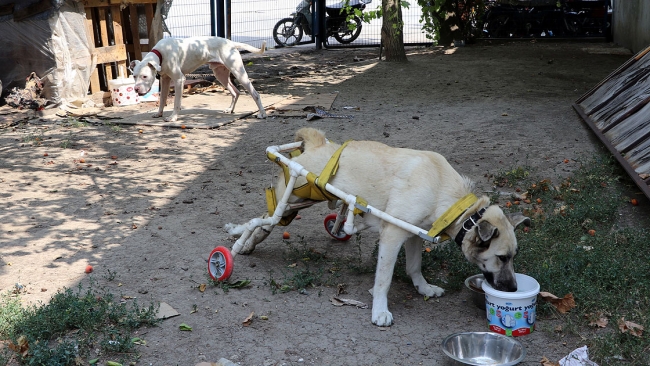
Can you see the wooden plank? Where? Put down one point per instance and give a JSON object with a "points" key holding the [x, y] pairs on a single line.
{"points": [[103, 30], [149, 12], [7, 9], [90, 34], [95, 3], [135, 32], [117, 24], [31, 10], [111, 54]]}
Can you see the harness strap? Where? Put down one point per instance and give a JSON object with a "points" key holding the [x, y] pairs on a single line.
{"points": [[449, 216], [330, 170], [314, 189]]}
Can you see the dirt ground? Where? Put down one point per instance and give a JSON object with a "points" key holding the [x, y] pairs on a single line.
{"points": [[146, 208]]}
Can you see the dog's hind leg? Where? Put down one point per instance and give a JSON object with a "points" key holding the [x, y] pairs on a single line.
{"points": [[413, 251], [240, 74], [222, 74], [257, 236]]}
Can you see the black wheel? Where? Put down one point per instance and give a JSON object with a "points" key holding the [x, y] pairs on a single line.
{"points": [[287, 33], [344, 34]]}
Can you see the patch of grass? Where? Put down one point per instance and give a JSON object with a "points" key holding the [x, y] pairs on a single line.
{"points": [[75, 123], [576, 246], [115, 128], [67, 142], [71, 327], [34, 139], [508, 178]]}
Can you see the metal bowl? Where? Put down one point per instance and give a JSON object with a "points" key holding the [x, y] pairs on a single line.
{"points": [[474, 283], [483, 348]]}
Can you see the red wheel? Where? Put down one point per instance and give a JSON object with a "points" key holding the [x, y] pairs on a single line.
{"points": [[220, 264], [329, 224]]}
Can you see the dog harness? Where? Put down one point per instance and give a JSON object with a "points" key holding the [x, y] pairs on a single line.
{"points": [[314, 189], [452, 213]]}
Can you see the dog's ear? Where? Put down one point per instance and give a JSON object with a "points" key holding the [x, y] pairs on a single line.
{"points": [[486, 231], [516, 219], [155, 65], [133, 64]]}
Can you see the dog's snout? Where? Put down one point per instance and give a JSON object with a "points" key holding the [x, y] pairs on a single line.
{"points": [[501, 284]]}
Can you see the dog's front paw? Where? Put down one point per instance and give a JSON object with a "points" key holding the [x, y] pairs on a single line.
{"points": [[382, 318], [156, 115], [261, 115], [430, 290], [171, 118], [227, 110], [234, 229]]}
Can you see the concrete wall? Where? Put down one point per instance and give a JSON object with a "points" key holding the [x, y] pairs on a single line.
{"points": [[631, 24]]}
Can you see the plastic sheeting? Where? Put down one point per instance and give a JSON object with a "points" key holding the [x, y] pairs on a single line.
{"points": [[53, 44]]}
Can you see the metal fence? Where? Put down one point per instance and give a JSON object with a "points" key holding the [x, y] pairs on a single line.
{"points": [[252, 21]]}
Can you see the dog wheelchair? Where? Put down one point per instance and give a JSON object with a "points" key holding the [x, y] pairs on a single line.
{"points": [[338, 225]]}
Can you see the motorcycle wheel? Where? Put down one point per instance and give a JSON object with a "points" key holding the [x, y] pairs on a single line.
{"points": [[287, 33], [346, 35]]}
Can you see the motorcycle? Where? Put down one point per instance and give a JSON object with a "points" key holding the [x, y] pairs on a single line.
{"points": [[289, 31]]}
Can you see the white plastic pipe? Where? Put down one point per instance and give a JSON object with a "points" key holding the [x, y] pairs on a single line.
{"points": [[296, 170]]}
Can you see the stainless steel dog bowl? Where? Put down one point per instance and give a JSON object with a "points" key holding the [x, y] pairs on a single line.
{"points": [[474, 283], [483, 348]]}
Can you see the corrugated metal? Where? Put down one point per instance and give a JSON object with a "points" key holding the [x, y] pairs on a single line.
{"points": [[618, 111]]}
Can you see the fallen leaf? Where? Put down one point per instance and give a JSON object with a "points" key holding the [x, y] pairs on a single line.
{"points": [[139, 341], [248, 320], [340, 302], [546, 362], [597, 320], [239, 284], [202, 287], [264, 317], [633, 328], [21, 347], [562, 305], [185, 327]]}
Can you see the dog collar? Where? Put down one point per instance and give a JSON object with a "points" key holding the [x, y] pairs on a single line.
{"points": [[468, 224], [157, 53], [450, 216]]}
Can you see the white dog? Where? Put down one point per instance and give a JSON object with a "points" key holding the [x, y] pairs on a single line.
{"points": [[416, 187], [175, 57]]}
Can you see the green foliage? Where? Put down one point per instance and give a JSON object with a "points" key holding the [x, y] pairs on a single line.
{"points": [[71, 326], [607, 270], [448, 20]]}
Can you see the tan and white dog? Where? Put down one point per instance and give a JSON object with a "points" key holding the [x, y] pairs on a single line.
{"points": [[172, 58], [416, 187]]}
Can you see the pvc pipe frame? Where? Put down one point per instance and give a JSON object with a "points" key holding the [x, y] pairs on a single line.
{"points": [[350, 201]]}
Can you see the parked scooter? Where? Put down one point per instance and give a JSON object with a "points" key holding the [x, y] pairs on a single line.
{"points": [[289, 31]]}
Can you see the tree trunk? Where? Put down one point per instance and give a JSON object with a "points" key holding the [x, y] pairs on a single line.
{"points": [[392, 35]]}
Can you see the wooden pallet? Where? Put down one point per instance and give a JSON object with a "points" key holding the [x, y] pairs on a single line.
{"points": [[113, 34]]}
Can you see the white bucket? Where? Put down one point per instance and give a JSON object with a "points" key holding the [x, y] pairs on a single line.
{"points": [[512, 313], [123, 91]]}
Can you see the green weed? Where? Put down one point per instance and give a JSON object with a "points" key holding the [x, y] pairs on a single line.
{"points": [[72, 326]]}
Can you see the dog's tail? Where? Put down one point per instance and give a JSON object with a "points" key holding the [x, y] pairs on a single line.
{"points": [[311, 137], [250, 48]]}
